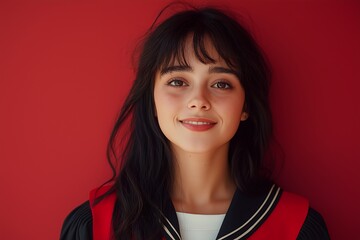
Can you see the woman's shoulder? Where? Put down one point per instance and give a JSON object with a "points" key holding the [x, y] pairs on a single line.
{"points": [[292, 214], [314, 227], [78, 224]]}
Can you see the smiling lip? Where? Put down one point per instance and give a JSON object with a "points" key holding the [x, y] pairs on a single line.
{"points": [[198, 124]]}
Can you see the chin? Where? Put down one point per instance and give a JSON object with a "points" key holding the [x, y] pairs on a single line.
{"points": [[199, 148]]}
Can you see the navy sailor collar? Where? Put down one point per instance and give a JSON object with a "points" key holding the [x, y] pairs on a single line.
{"points": [[245, 215]]}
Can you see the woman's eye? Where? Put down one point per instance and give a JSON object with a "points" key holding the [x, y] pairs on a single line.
{"points": [[177, 83], [222, 85]]}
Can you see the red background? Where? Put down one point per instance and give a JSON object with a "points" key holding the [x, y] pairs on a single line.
{"points": [[65, 67]]}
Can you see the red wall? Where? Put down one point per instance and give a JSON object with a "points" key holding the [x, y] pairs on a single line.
{"points": [[65, 67]]}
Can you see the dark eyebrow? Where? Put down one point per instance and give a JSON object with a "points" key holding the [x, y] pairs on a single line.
{"points": [[221, 70], [170, 69]]}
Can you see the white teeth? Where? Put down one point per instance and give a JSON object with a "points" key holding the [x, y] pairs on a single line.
{"points": [[196, 123]]}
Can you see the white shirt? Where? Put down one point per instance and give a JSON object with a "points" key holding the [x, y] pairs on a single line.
{"points": [[199, 226]]}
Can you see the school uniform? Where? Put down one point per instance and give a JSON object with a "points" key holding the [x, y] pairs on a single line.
{"points": [[274, 214]]}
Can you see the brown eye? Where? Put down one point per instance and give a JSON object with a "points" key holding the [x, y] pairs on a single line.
{"points": [[222, 85], [177, 83]]}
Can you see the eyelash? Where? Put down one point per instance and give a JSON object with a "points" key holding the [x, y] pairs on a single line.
{"points": [[228, 86], [173, 82], [176, 82]]}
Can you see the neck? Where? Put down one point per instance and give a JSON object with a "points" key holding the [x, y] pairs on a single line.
{"points": [[202, 183]]}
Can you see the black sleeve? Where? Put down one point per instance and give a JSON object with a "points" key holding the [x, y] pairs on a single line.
{"points": [[78, 224], [314, 227]]}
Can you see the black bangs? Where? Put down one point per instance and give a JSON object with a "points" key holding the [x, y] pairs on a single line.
{"points": [[174, 35]]}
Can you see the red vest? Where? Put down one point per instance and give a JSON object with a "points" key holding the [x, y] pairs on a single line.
{"points": [[284, 222], [102, 213]]}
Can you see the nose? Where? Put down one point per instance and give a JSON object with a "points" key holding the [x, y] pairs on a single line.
{"points": [[199, 100]]}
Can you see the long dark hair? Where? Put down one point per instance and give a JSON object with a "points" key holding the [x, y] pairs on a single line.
{"points": [[144, 179]]}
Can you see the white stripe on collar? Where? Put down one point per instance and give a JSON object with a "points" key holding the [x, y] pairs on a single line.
{"points": [[254, 215]]}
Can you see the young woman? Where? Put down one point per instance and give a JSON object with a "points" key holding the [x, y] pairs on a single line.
{"points": [[200, 127]]}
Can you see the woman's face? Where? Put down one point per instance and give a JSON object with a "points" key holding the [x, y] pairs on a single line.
{"points": [[199, 107]]}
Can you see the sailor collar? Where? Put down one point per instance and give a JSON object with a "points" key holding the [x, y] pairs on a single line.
{"points": [[245, 215]]}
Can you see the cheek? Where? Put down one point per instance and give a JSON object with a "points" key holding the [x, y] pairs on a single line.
{"points": [[166, 101], [166, 106], [158, 100], [231, 114], [232, 108]]}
